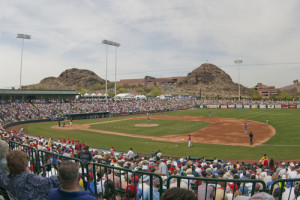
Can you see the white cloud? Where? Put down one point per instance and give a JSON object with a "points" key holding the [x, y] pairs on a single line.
{"points": [[158, 38]]}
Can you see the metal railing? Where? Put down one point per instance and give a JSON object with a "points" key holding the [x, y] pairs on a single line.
{"points": [[287, 189], [95, 176], [245, 186], [121, 178]]}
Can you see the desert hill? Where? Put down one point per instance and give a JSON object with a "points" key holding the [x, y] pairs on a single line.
{"points": [[208, 77], [70, 79], [211, 80], [291, 89]]}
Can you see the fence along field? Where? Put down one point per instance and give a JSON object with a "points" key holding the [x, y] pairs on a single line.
{"points": [[284, 145]]}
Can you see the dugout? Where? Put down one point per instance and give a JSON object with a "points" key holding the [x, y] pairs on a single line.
{"points": [[87, 115], [28, 95]]}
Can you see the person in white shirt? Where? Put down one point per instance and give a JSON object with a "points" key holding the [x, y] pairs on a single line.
{"points": [[130, 154]]}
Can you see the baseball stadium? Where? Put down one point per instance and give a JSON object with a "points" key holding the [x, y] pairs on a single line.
{"points": [[149, 100], [188, 136]]}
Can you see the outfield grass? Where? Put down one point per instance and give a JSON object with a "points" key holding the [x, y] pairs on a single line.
{"points": [[165, 127], [284, 145]]}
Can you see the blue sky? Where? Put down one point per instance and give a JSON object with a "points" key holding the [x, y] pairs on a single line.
{"points": [[158, 38]]}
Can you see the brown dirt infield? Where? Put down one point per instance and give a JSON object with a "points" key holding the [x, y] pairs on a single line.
{"points": [[146, 125], [224, 131]]}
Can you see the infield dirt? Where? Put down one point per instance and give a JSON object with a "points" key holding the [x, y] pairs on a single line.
{"points": [[224, 131]]}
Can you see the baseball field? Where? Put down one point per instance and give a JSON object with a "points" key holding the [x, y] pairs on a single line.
{"points": [[222, 135]]}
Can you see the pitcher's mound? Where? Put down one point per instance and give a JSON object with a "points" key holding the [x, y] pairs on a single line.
{"points": [[146, 125]]}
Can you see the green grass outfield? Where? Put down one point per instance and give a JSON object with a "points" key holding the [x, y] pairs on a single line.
{"points": [[285, 145]]}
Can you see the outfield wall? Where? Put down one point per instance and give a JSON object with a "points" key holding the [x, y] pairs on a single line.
{"points": [[252, 106]]}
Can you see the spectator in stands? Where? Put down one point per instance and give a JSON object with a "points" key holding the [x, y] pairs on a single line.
{"points": [[20, 183], [130, 154], [264, 160], [109, 191], [220, 194], [114, 177], [297, 191], [155, 193], [204, 188], [77, 146], [130, 192], [3, 168], [85, 155], [82, 144], [162, 168], [178, 194], [272, 164], [127, 180], [3, 152], [298, 172], [144, 183], [69, 177]]}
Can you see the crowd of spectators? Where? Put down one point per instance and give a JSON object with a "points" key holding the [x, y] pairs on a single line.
{"points": [[54, 110], [137, 185]]}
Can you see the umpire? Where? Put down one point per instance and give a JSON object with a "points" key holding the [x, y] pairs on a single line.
{"points": [[251, 137]]}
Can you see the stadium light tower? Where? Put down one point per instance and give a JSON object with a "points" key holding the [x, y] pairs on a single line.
{"points": [[239, 62], [23, 37], [107, 42]]}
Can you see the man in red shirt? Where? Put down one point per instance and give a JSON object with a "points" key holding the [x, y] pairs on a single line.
{"points": [[77, 146]]}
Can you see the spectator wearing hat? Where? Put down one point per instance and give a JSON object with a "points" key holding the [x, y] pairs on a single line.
{"points": [[144, 185], [130, 193], [69, 177], [84, 155], [233, 189], [20, 183], [292, 173], [135, 181], [155, 192], [183, 184]]}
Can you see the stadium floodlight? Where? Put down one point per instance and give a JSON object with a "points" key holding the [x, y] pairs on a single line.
{"points": [[239, 62], [111, 43], [23, 37]]}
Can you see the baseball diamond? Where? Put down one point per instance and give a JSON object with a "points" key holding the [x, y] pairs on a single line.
{"points": [[223, 137]]}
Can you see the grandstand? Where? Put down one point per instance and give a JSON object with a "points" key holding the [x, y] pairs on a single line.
{"points": [[279, 179]]}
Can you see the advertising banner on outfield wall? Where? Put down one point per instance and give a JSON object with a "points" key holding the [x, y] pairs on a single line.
{"points": [[239, 106], [202, 106], [254, 106], [213, 106], [285, 106], [292, 106], [298, 106], [271, 106], [247, 106], [277, 106], [262, 106], [231, 106], [224, 106]]}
